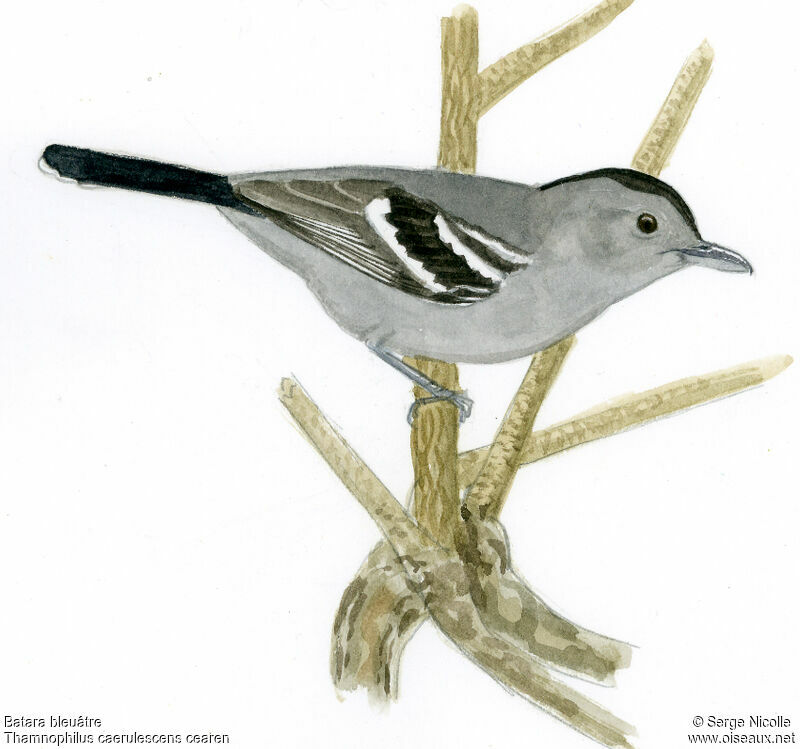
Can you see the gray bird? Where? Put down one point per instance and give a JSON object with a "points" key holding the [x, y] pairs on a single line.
{"points": [[431, 263]]}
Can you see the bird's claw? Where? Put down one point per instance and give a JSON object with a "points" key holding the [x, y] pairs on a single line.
{"points": [[459, 400]]}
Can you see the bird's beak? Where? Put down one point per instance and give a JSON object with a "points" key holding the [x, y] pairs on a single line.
{"points": [[715, 256]]}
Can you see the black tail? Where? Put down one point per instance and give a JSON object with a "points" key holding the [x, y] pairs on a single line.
{"points": [[93, 167]]}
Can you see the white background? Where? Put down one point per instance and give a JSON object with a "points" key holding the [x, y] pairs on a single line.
{"points": [[172, 551]]}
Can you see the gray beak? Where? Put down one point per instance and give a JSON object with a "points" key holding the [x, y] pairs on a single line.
{"points": [[715, 256]]}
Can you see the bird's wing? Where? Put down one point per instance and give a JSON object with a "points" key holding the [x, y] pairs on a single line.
{"points": [[390, 234]]}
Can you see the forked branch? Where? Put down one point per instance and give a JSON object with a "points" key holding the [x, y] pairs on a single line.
{"points": [[439, 579]]}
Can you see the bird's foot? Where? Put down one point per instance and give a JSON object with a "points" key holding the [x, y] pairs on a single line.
{"points": [[459, 400], [437, 392]]}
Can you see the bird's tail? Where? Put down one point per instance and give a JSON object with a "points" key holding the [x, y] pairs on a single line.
{"points": [[95, 168]]}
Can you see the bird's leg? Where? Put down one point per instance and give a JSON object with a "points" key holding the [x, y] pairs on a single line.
{"points": [[437, 392]]}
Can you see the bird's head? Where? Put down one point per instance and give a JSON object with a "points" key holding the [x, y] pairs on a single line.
{"points": [[628, 227]]}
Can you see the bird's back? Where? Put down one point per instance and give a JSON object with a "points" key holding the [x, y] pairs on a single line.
{"points": [[498, 206]]}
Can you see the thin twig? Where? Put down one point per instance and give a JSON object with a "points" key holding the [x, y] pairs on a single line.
{"points": [[628, 411], [502, 77], [389, 515], [657, 146], [487, 495]]}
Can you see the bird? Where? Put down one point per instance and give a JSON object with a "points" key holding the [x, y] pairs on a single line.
{"points": [[431, 263]]}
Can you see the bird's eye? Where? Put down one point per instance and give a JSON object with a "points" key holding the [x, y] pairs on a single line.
{"points": [[647, 223]]}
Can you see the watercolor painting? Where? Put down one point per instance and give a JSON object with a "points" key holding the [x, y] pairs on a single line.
{"points": [[432, 269]]}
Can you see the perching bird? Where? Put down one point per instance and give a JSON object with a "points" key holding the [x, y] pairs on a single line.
{"points": [[431, 263]]}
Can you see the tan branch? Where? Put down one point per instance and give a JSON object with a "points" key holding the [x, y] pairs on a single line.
{"points": [[434, 433], [502, 77], [438, 579], [508, 607], [437, 576], [454, 611], [655, 150], [388, 514], [628, 411], [434, 454], [378, 615], [511, 610], [458, 130], [487, 495]]}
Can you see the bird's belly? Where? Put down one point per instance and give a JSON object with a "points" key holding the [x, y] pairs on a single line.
{"points": [[493, 330]]}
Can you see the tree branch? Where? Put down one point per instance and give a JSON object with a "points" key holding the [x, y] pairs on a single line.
{"points": [[628, 411], [455, 613], [487, 495], [657, 146], [390, 517], [512, 611], [379, 613], [438, 578], [458, 129], [508, 606], [502, 77], [434, 454], [434, 433], [377, 617]]}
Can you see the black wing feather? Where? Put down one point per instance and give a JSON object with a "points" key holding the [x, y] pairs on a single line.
{"points": [[391, 235]]}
